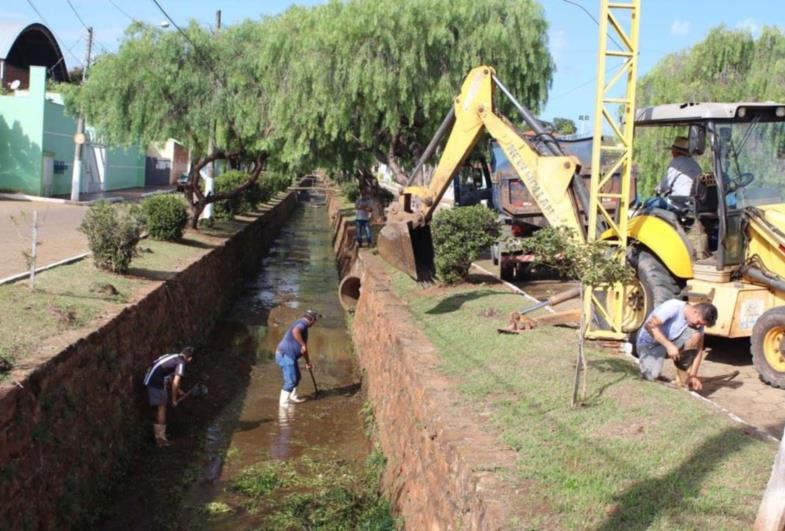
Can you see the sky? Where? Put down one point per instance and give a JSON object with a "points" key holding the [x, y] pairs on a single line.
{"points": [[666, 26]]}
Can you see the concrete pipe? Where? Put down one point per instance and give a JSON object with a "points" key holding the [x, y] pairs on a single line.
{"points": [[349, 292]]}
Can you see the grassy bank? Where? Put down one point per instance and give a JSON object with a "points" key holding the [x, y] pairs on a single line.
{"points": [[638, 455], [71, 297]]}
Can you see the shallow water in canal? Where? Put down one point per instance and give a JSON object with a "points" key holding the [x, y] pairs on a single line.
{"points": [[250, 430]]}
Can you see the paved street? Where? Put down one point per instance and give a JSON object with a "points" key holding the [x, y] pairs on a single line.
{"points": [[57, 233]]}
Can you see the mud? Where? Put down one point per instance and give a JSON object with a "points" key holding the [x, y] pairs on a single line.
{"points": [[239, 424]]}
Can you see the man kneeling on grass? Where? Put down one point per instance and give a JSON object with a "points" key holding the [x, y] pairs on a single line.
{"points": [[674, 330]]}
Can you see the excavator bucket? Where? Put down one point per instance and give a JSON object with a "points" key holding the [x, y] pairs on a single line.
{"points": [[408, 249]]}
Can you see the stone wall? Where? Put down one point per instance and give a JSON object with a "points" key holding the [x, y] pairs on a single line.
{"points": [[443, 469], [72, 425]]}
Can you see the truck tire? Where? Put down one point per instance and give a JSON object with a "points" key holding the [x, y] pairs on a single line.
{"points": [[768, 346]]}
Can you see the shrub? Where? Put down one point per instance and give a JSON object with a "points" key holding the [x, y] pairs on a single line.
{"points": [[274, 182], [351, 189], [165, 216], [245, 201], [460, 235], [112, 234]]}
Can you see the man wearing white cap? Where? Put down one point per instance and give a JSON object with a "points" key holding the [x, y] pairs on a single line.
{"points": [[682, 170]]}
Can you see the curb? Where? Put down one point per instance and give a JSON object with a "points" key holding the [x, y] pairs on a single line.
{"points": [[20, 276]]}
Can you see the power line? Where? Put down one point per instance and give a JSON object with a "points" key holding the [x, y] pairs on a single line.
{"points": [[69, 50], [121, 10], [30, 3], [198, 50], [583, 8], [77, 14]]}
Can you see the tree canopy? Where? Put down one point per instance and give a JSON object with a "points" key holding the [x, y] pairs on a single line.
{"points": [[371, 81], [340, 86], [728, 65], [564, 126]]}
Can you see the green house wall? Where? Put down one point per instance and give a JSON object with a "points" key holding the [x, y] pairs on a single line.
{"points": [[36, 124], [21, 137]]}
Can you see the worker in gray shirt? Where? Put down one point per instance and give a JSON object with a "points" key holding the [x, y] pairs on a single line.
{"points": [[674, 330], [682, 170]]}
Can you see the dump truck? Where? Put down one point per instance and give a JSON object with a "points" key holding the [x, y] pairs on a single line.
{"points": [[493, 181]]}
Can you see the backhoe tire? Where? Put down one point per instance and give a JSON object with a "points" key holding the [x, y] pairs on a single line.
{"points": [[657, 284], [768, 347]]}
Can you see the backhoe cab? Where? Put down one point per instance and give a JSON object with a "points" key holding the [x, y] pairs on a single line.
{"points": [[725, 243]]}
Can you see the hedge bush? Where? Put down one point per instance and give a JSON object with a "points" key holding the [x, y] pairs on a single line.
{"points": [[243, 202], [165, 216], [268, 184], [112, 234], [460, 236]]}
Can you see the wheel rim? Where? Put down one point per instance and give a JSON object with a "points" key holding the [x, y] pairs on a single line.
{"points": [[634, 309], [633, 306], [772, 348]]}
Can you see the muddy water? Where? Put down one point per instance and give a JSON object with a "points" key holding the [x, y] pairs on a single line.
{"points": [[239, 424], [298, 274]]}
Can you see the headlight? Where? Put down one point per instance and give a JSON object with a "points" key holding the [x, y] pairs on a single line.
{"points": [[742, 112], [780, 112]]}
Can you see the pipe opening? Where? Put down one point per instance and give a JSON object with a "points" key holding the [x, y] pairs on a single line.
{"points": [[349, 292]]}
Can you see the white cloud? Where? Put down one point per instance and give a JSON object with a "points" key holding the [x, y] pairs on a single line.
{"points": [[750, 25], [680, 27]]}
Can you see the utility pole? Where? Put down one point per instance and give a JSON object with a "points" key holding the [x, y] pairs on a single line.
{"points": [[79, 137], [209, 181]]}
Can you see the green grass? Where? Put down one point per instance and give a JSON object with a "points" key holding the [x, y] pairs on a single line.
{"points": [[73, 296], [323, 494], [638, 455]]}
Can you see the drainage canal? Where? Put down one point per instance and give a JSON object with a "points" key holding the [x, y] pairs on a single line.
{"points": [[238, 460]]}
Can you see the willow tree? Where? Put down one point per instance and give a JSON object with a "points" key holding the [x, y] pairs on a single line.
{"points": [[729, 65], [370, 81], [161, 84]]}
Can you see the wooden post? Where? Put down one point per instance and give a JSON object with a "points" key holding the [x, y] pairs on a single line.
{"points": [[771, 513]]}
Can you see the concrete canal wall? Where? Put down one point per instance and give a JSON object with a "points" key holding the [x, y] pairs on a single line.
{"points": [[443, 470], [74, 422]]}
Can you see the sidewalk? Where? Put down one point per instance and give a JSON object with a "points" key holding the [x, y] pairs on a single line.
{"points": [[58, 222], [57, 233]]}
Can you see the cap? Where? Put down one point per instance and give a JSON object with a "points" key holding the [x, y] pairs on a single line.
{"points": [[313, 315]]}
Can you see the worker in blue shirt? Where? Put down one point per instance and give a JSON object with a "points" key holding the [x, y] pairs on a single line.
{"points": [[294, 345]]}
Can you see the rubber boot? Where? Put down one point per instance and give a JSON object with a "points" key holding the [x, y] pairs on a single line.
{"points": [[294, 398], [160, 435], [284, 398]]}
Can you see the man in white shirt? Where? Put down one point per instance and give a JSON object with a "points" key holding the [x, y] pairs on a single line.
{"points": [[682, 170]]}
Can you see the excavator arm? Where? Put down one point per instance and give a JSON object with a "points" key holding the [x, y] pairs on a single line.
{"points": [[405, 241]]}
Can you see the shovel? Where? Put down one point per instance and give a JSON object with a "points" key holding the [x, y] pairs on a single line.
{"points": [[315, 389], [197, 390]]}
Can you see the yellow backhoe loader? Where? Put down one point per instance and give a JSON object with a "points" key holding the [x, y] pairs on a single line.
{"points": [[725, 243]]}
